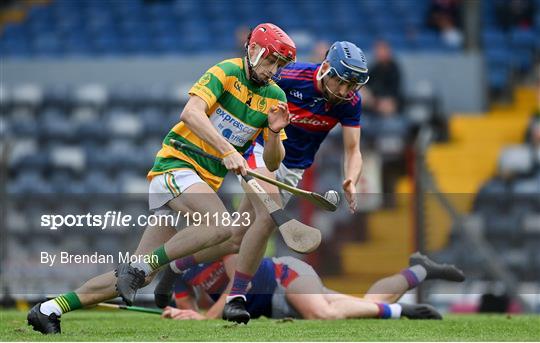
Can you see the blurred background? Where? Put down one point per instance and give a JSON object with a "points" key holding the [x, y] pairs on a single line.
{"points": [[450, 133]]}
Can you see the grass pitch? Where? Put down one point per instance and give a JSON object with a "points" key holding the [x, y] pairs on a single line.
{"points": [[96, 325]]}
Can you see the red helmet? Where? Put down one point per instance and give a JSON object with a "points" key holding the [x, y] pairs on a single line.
{"points": [[274, 40]]}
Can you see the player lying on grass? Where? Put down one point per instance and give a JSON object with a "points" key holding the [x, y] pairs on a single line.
{"points": [[287, 287], [230, 105], [319, 97]]}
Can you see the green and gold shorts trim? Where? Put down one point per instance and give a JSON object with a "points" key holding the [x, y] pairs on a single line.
{"points": [[167, 186]]}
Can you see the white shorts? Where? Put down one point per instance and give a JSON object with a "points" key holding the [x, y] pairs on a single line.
{"points": [[167, 186], [289, 176]]}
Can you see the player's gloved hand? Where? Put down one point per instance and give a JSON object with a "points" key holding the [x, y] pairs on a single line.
{"points": [[278, 116], [350, 194], [235, 162], [175, 313]]}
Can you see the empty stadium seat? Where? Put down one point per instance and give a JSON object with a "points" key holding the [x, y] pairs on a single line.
{"points": [[27, 95], [493, 38], [138, 27], [101, 182]]}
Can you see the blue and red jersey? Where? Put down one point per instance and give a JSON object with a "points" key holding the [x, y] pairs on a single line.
{"points": [[212, 278], [312, 116]]}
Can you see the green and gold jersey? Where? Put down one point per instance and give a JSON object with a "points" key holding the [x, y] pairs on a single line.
{"points": [[237, 109]]}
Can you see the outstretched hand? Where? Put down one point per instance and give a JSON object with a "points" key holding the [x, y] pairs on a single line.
{"points": [[278, 116], [175, 313], [350, 194]]}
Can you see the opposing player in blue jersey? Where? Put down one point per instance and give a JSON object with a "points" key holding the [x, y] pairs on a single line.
{"points": [[287, 287], [319, 97]]}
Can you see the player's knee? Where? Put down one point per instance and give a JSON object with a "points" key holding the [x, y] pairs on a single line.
{"points": [[236, 239]]}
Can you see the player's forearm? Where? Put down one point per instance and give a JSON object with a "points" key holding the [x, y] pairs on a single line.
{"points": [[216, 310], [353, 165], [187, 303], [199, 124], [273, 152]]}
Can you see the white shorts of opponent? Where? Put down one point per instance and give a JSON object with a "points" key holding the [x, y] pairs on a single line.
{"points": [[289, 176], [281, 308]]}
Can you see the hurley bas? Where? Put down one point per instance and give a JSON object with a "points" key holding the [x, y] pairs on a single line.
{"points": [[65, 257]]}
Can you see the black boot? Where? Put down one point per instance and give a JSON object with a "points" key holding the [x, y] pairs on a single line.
{"points": [[42, 323], [235, 311], [129, 280]]}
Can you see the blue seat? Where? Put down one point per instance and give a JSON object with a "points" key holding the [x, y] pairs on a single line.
{"points": [[37, 161], [224, 41], [102, 160], [187, 7], [167, 43], [159, 10], [66, 25], [494, 38], [31, 182], [15, 48], [522, 59], [523, 39], [386, 23], [498, 58], [14, 31], [81, 48], [164, 27], [137, 44], [427, 40], [397, 41], [60, 180], [152, 119], [37, 13], [373, 6], [25, 128], [47, 45], [63, 130], [36, 28], [101, 182], [130, 26], [403, 7], [108, 45], [498, 79], [91, 131], [224, 25]]}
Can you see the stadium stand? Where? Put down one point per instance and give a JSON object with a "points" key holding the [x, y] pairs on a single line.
{"points": [[81, 132]]}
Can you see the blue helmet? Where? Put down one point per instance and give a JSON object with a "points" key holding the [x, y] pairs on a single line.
{"points": [[348, 62]]}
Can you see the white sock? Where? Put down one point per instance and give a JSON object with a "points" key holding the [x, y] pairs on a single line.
{"points": [[49, 307], [419, 271], [145, 267], [231, 297], [395, 310]]}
